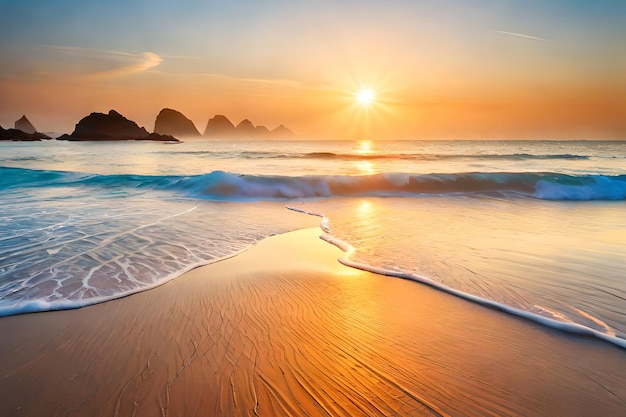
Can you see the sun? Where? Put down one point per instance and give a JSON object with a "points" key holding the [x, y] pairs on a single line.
{"points": [[365, 97]]}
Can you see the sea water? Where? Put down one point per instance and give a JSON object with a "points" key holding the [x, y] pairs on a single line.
{"points": [[536, 229]]}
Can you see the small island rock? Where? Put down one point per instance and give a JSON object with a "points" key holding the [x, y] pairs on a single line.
{"points": [[17, 135], [172, 122], [25, 125], [282, 132], [246, 129], [219, 127]]}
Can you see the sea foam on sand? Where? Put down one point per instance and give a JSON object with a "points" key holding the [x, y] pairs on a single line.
{"points": [[284, 329]]}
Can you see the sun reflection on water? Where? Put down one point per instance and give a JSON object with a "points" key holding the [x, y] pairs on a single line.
{"points": [[364, 147], [365, 167]]}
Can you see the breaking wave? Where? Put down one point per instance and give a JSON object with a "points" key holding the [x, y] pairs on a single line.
{"points": [[224, 186]]}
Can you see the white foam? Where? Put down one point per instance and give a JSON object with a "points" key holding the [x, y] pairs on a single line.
{"points": [[107, 251], [568, 327]]}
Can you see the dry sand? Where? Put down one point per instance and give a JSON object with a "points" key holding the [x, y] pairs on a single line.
{"points": [[284, 329]]}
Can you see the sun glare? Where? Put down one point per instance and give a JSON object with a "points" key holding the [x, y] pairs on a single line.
{"points": [[364, 147], [365, 97]]}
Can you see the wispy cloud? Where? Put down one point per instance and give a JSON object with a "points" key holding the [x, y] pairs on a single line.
{"points": [[85, 62], [258, 81], [521, 35], [135, 64]]}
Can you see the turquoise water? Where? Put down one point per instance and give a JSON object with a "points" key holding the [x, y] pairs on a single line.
{"points": [[535, 227]]}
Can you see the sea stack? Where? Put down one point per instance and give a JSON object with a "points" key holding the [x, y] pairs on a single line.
{"points": [[245, 129], [262, 131], [219, 127], [172, 122], [25, 125], [281, 132]]}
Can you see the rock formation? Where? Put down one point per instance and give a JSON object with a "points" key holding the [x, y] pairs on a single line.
{"points": [[219, 127], [25, 125], [172, 122], [245, 129], [262, 131], [281, 132], [111, 126], [18, 135]]}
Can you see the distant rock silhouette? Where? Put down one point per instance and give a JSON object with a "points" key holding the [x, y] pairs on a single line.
{"points": [[219, 127], [245, 129], [25, 125], [281, 132], [21, 136], [262, 131], [160, 138], [112, 126], [172, 122]]}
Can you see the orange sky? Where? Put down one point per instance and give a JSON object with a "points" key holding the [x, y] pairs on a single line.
{"points": [[455, 69]]}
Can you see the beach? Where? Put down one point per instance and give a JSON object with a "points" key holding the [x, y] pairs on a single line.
{"points": [[285, 329], [325, 208]]}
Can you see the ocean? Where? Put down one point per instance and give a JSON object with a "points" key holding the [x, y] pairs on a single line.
{"points": [[531, 228]]}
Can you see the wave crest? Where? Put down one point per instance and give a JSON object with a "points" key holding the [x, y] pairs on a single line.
{"points": [[545, 186], [219, 185]]}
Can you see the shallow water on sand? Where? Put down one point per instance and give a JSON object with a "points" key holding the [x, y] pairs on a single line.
{"points": [[537, 226], [560, 260]]}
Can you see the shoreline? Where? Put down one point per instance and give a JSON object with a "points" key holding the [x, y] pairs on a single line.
{"points": [[284, 329], [572, 328]]}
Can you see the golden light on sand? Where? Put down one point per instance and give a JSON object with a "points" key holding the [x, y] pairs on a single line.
{"points": [[365, 97], [365, 208]]}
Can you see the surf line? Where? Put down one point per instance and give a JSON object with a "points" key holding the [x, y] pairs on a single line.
{"points": [[348, 250]]}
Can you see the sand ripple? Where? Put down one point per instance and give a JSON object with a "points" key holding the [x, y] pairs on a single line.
{"points": [[306, 338]]}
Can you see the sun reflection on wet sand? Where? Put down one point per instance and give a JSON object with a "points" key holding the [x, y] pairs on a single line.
{"points": [[365, 208]]}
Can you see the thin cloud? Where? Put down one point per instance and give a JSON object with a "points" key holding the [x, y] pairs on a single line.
{"points": [[266, 81], [521, 35], [136, 64], [95, 63]]}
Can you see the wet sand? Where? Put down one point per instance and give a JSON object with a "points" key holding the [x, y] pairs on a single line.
{"points": [[284, 329]]}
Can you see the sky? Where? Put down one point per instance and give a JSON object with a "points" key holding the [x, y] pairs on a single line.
{"points": [[440, 69]]}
